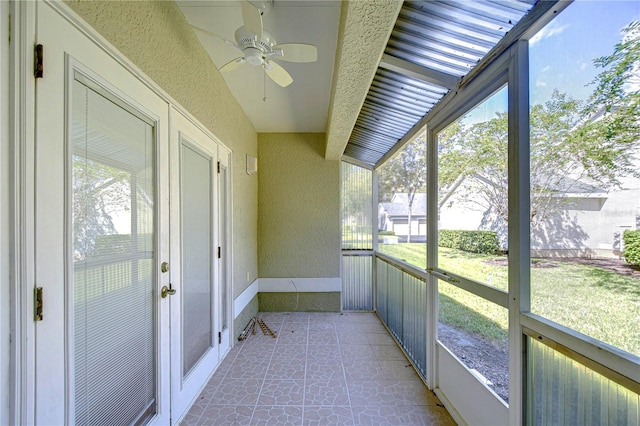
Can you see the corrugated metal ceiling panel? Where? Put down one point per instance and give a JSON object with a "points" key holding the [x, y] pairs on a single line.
{"points": [[446, 39]]}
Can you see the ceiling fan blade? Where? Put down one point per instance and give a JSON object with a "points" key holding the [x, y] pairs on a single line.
{"points": [[214, 35], [278, 74], [232, 65], [297, 52], [252, 19]]}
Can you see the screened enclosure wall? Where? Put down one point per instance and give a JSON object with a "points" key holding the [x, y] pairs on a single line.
{"points": [[357, 238]]}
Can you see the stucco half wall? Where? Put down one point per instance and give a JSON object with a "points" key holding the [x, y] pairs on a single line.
{"points": [[299, 208]]}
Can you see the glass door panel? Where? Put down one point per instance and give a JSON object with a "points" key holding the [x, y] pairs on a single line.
{"points": [[197, 309], [113, 240]]}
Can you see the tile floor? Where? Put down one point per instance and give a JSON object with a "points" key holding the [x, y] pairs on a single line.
{"points": [[322, 369]]}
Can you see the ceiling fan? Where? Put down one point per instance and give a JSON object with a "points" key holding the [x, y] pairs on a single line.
{"points": [[259, 47]]}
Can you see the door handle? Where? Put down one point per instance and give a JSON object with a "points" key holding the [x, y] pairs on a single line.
{"points": [[167, 291]]}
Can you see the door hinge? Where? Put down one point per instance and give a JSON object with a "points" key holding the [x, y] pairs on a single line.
{"points": [[219, 337], [39, 62], [218, 167], [219, 253], [37, 304]]}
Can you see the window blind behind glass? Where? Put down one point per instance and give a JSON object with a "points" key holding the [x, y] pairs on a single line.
{"points": [[113, 237]]}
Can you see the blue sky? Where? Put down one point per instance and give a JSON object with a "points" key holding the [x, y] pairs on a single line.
{"points": [[561, 54]]}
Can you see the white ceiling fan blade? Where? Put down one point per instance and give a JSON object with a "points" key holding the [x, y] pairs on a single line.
{"points": [[278, 74], [297, 52], [214, 35], [252, 19], [232, 65]]}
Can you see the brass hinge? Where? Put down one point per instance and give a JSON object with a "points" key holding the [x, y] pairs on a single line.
{"points": [[219, 253], [218, 167], [219, 337], [37, 304], [39, 62]]}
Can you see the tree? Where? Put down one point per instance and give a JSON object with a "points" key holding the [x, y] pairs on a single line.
{"points": [[405, 173], [572, 143], [98, 191]]}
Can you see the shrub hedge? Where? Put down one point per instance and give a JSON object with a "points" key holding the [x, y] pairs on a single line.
{"points": [[471, 241], [632, 247]]}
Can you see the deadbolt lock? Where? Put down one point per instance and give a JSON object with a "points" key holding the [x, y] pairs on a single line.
{"points": [[167, 291], [164, 267]]}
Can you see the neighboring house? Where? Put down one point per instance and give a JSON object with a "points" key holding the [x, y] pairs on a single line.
{"points": [[394, 216], [587, 220]]}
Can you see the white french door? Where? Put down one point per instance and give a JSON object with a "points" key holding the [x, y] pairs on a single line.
{"points": [[132, 247], [102, 232], [198, 314]]}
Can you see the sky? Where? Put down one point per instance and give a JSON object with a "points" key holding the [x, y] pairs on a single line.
{"points": [[561, 54]]}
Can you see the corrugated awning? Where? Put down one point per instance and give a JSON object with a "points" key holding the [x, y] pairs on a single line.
{"points": [[434, 44]]}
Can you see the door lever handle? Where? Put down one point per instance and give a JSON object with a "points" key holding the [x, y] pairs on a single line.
{"points": [[167, 291]]}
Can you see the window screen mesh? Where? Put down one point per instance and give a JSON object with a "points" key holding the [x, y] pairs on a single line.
{"points": [[357, 205]]}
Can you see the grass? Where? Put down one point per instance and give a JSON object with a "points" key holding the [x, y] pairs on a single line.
{"points": [[594, 301]]}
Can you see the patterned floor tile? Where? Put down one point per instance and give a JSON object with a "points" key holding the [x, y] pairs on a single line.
{"points": [[319, 351], [411, 392], [322, 416], [326, 392], [290, 352], [328, 337], [352, 339], [398, 370], [190, 419], [237, 392], [292, 337], [282, 392], [226, 415], [401, 415], [252, 368], [382, 338], [371, 392], [278, 415], [323, 369], [286, 368], [388, 352], [356, 351]]}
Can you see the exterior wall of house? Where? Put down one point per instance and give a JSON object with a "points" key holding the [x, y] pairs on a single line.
{"points": [[582, 226], [590, 227], [155, 36], [299, 203]]}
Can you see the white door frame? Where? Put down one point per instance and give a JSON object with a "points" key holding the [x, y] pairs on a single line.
{"points": [[18, 122], [67, 52]]}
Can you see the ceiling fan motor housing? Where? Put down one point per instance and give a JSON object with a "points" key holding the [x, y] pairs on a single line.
{"points": [[254, 50]]}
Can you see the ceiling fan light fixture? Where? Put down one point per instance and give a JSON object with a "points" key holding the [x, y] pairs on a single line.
{"points": [[253, 56]]}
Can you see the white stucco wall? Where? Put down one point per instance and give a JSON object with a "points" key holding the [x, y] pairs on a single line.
{"points": [[299, 203], [155, 36]]}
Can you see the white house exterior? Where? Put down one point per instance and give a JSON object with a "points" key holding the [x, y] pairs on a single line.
{"points": [[394, 216], [588, 220]]}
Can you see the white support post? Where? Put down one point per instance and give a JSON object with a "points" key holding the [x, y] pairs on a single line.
{"points": [[519, 237], [432, 256], [376, 226]]}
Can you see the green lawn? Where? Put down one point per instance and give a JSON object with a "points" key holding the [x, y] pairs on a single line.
{"points": [[594, 301]]}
